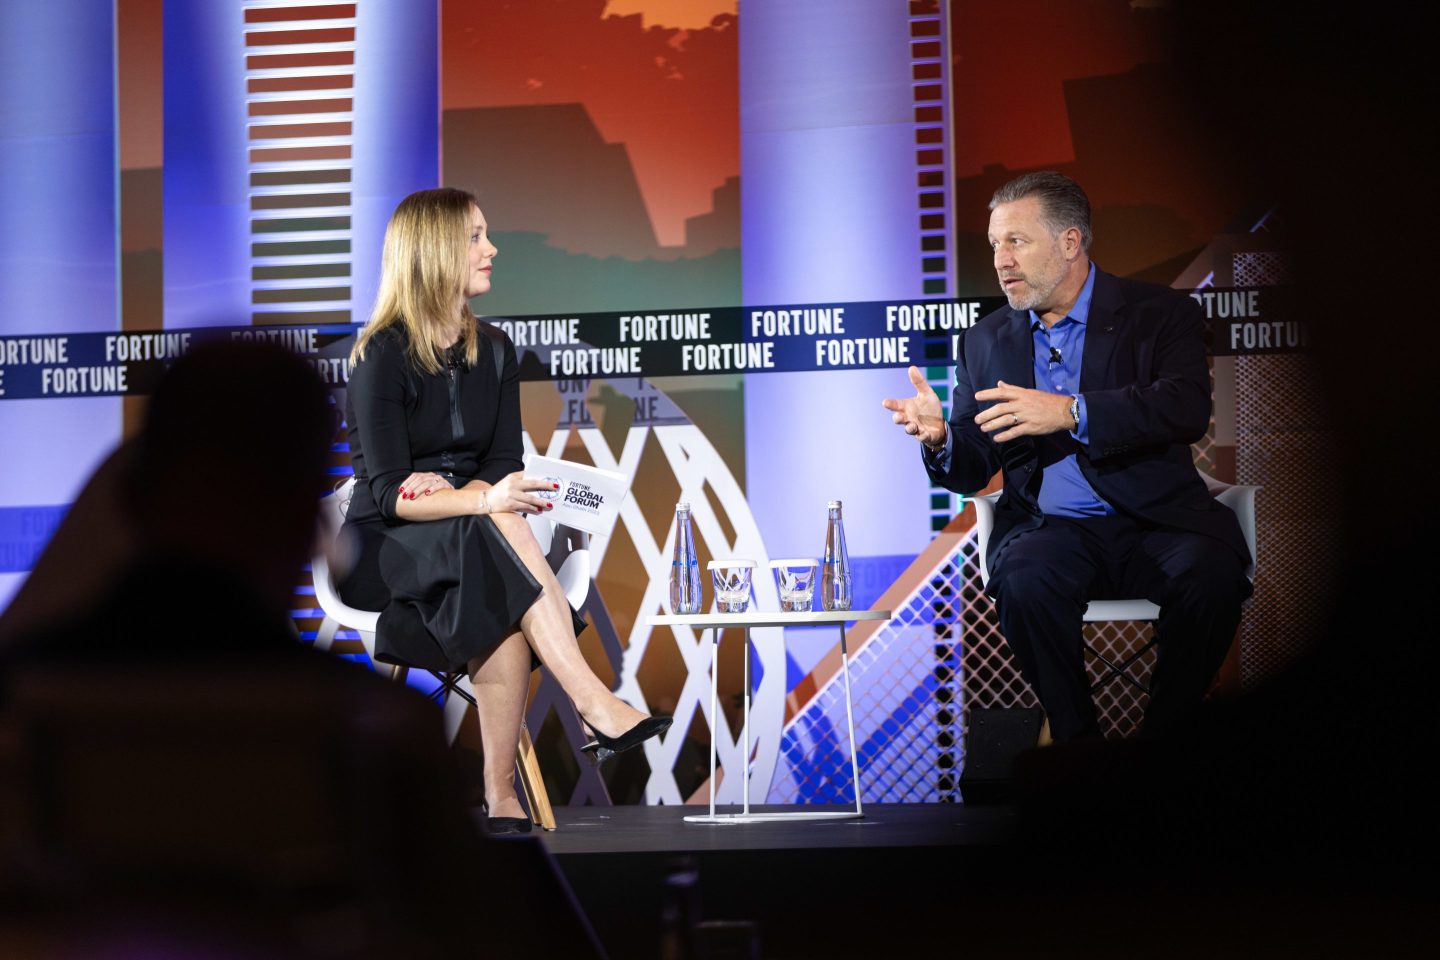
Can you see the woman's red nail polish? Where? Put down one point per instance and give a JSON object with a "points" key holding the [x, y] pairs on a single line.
{"points": [[554, 486], [549, 506]]}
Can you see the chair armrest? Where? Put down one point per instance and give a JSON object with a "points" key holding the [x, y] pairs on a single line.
{"points": [[1240, 497], [984, 523]]}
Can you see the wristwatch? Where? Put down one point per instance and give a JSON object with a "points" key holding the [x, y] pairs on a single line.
{"points": [[1075, 411]]}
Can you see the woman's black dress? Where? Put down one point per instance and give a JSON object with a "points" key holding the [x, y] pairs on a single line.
{"points": [[448, 590]]}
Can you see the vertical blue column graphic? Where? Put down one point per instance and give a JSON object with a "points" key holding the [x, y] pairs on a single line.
{"points": [[397, 124], [828, 214], [207, 242], [59, 251]]}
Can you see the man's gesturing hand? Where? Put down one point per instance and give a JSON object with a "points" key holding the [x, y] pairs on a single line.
{"points": [[920, 415], [1022, 412]]}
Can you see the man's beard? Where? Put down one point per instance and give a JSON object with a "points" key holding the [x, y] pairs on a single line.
{"points": [[1039, 286], [1022, 298]]}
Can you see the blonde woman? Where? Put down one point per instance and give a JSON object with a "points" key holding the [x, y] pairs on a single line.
{"points": [[439, 508]]}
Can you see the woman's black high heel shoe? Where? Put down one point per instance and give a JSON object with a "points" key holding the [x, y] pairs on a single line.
{"points": [[604, 747], [505, 826]]}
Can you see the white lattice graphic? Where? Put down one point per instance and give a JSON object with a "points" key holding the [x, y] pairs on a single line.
{"points": [[697, 465]]}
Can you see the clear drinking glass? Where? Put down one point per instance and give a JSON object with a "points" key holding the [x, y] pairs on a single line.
{"points": [[732, 584], [796, 580]]}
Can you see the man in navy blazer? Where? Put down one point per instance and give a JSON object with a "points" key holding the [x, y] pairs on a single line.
{"points": [[1086, 393]]}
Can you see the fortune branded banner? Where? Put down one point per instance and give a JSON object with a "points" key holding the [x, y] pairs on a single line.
{"points": [[788, 338]]}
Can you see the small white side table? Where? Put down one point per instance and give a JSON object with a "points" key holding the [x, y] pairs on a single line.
{"points": [[715, 622]]}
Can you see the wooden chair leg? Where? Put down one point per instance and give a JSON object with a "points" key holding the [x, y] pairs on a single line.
{"points": [[532, 783]]}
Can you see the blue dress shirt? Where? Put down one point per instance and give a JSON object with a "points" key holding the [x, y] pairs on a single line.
{"points": [[1064, 491]]}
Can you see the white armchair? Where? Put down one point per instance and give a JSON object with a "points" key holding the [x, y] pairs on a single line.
{"points": [[1238, 497]]}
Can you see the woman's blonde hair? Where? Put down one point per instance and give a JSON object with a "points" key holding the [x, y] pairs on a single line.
{"points": [[424, 269]]}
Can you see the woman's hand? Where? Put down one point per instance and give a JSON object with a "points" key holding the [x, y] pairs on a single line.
{"points": [[419, 485], [515, 494]]}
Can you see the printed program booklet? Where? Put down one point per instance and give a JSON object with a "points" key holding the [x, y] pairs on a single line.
{"points": [[588, 499]]}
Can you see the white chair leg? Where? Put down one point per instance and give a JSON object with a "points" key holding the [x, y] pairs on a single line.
{"points": [[325, 635]]}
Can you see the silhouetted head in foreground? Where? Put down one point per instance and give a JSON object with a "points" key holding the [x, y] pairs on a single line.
{"points": [[230, 461]]}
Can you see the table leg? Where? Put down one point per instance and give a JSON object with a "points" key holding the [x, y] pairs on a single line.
{"points": [[745, 727], [714, 708], [850, 719]]}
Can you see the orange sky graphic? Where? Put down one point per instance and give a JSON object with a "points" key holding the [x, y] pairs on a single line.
{"points": [[671, 96], [684, 14]]}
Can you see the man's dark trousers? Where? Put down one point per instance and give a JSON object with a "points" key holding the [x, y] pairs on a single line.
{"points": [[1043, 578]]}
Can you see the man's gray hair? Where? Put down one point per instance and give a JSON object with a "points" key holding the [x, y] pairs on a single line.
{"points": [[1062, 203]]}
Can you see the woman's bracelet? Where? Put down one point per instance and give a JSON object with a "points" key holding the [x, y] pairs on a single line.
{"points": [[484, 502]]}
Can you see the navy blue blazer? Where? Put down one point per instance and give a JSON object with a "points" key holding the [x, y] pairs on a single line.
{"points": [[1147, 398]]}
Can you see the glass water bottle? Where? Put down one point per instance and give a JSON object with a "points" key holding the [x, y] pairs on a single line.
{"points": [[684, 565], [835, 566]]}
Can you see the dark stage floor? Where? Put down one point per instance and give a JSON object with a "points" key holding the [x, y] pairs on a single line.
{"points": [[802, 883], [921, 880], [638, 829]]}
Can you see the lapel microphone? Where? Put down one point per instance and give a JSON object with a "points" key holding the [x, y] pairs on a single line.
{"points": [[1055, 355]]}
